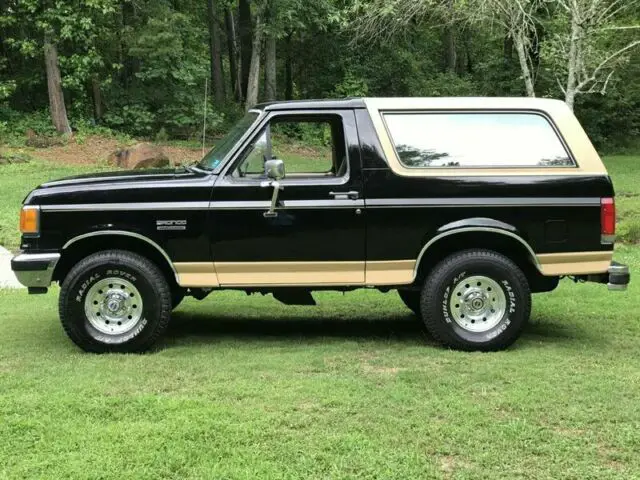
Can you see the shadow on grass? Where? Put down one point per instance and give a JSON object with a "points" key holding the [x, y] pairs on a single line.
{"points": [[399, 328]]}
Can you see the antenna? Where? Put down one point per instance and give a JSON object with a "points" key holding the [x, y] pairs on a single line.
{"points": [[204, 116]]}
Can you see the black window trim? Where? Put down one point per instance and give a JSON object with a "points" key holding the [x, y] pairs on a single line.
{"points": [[540, 113]]}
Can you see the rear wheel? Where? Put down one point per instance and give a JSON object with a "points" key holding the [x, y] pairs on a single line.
{"points": [[476, 300], [115, 301], [411, 298]]}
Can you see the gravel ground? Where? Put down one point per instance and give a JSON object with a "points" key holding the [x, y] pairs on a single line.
{"points": [[7, 278]]}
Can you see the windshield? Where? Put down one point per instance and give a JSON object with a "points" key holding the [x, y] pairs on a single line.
{"points": [[212, 159]]}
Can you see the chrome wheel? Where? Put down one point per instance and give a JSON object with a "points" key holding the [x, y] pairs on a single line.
{"points": [[477, 303], [113, 306]]}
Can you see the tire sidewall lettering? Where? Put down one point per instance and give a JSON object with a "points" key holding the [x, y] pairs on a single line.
{"points": [[109, 339], [84, 286], [445, 305], [508, 290]]}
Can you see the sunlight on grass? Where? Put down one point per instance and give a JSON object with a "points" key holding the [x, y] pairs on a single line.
{"points": [[243, 387]]}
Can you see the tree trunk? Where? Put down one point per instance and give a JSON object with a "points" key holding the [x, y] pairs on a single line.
{"points": [[253, 83], [469, 66], [288, 70], [233, 54], [126, 19], [217, 82], [572, 76], [270, 69], [451, 58], [507, 50], [54, 86], [449, 40], [244, 24], [97, 98], [524, 65]]}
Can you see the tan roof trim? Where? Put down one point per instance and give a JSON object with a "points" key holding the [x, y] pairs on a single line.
{"points": [[589, 162]]}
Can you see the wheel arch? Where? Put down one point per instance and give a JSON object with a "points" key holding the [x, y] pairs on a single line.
{"points": [[88, 243], [484, 234]]}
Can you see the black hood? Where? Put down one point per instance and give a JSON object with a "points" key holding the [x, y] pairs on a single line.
{"points": [[120, 186], [129, 176]]}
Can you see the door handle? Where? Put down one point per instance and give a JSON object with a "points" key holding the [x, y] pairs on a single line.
{"points": [[351, 195]]}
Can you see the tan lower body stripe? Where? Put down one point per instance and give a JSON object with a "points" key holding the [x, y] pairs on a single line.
{"points": [[383, 272], [290, 273], [196, 274], [574, 263], [208, 274], [391, 272]]}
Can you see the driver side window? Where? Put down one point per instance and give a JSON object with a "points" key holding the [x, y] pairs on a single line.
{"points": [[310, 146]]}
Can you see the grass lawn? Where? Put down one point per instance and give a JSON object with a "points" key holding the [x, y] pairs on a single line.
{"points": [[243, 387], [17, 180]]}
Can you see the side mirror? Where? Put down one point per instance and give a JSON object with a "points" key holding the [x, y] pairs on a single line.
{"points": [[274, 169]]}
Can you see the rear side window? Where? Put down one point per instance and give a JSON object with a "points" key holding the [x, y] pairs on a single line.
{"points": [[476, 140]]}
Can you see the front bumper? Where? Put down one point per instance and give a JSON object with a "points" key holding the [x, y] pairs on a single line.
{"points": [[34, 270], [616, 278]]}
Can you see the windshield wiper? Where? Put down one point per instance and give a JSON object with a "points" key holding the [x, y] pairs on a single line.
{"points": [[193, 167]]}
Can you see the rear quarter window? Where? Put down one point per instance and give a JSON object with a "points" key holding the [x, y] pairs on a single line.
{"points": [[475, 140]]}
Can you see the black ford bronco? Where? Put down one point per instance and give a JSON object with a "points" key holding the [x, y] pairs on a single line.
{"points": [[466, 206]]}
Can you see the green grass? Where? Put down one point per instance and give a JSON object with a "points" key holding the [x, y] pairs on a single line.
{"points": [[625, 172], [245, 388], [17, 180], [242, 387]]}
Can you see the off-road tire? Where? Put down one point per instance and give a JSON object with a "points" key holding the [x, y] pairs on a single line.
{"points": [[437, 294], [411, 298], [131, 267]]}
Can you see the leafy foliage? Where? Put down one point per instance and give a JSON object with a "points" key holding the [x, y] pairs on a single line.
{"points": [[140, 66]]}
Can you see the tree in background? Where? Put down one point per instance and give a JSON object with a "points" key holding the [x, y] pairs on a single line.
{"points": [[140, 66], [590, 41], [516, 18], [54, 85], [37, 28], [217, 80]]}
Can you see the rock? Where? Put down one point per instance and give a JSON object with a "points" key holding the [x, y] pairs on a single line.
{"points": [[142, 155], [42, 141]]}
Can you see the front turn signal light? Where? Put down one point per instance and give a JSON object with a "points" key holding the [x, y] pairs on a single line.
{"points": [[30, 219]]}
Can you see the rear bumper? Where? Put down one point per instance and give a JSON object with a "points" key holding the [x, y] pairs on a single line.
{"points": [[34, 270], [616, 278]]}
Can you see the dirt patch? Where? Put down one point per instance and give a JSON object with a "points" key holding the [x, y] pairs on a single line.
{"points": [[381, 370], [447, 464], [95, 150], [89, 152], [181, 155]]}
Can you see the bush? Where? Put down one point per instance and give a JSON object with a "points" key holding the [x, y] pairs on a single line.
{"points": [[15, 125], [135, 119]]}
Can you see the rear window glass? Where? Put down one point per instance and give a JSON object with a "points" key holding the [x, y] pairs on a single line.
{"points": [[475, 140]]}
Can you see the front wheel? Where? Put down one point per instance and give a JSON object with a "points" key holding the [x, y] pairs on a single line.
{"points": [[115, 301], [476, 300]]}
